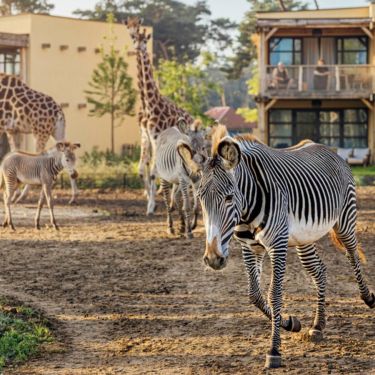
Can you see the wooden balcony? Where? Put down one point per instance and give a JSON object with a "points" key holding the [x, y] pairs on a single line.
{"points": [[308, 82]]}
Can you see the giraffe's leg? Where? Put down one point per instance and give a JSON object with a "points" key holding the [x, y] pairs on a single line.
{"points": [[144, 159], [152, 191], [253, 258], [166, 188], [40, 206], [317, 270], [48, 195], [184, 187], [74, 187]]}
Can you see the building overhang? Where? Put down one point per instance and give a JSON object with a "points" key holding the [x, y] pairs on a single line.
{"points": [[314, 23], [9, 40]]}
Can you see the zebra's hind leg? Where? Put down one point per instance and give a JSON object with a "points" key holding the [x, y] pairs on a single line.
{"points": [[349, 241], [184, 187], [40, 206], [317, 270], [165, 185], [253, 262], [8, 216], [178, 201]]}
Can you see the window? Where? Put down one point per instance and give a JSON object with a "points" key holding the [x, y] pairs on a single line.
{"points": [[286, 50], [334, 128], [352, 50], [10, 61]]}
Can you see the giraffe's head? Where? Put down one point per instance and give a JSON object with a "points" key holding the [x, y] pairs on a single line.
{"points": [[133, 24], [68, 157], [141, 41]]}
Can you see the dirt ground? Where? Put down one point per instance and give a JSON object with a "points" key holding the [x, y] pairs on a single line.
{"points": [[126, 298]]}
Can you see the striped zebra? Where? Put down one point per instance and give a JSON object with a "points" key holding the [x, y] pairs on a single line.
{"points": [[270, 200], [41, 169], [171, 170]]}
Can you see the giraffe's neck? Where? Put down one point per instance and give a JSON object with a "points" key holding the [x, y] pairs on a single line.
{"points": [[152, 94], [141, 85]]}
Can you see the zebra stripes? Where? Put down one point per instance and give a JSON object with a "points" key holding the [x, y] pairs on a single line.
{"points": [[172, 170], [269, 200], [42, 169]]}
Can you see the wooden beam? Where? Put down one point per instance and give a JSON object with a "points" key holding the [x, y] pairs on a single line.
{"points": [[14, 40], [368, 32], [368, 104], [270, 105], [270, 33], [322, 22]]}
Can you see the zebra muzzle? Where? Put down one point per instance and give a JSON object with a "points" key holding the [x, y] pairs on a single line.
{"points": [[213, 256]]}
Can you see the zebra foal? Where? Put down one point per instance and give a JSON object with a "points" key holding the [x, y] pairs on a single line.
{"points": [[40, 169], [270, 200], [171, 170]]}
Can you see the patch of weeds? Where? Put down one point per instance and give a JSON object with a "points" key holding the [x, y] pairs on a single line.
{"points": [[22, 332]]}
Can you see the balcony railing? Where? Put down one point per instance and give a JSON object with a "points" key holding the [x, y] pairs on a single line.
{"points": [[328, 81]]}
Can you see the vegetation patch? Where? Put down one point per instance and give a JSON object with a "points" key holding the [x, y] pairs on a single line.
{"points": [[22, 332], [364, 176]]}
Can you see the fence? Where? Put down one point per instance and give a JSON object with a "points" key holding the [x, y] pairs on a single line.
{"points": [[100, 180]]}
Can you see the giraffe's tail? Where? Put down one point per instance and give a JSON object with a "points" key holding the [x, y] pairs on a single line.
{"points": [[340, 246]]}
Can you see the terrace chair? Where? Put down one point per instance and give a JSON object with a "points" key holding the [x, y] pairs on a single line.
{"points": [[360, 156], [345, 153]]}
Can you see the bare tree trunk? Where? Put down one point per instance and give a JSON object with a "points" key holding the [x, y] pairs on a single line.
{"points": [[316, 4], [282, 5], [163, 50], [112, 132]]}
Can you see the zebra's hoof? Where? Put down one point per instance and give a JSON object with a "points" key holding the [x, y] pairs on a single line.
{"points": [[371, 301], [272, 361], [315, 335], [294, 324], [189, 235], [170, 231]]}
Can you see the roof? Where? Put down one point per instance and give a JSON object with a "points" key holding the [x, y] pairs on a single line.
{"points": [[228, 116]]}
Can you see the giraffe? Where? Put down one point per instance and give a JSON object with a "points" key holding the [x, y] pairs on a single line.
{"points": [[133, 24], [26, 111], [161, 113]]}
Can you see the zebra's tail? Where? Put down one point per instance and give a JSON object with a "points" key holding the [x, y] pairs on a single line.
{"points": [[339, 245]]}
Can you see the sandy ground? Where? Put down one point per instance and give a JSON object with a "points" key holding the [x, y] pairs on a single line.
{"points": [[126, 298]]}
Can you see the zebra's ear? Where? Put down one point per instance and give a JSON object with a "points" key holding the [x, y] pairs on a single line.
{"points": [[182, 126], [230, 152], [76, 145], [186, 155], [60, 146]]}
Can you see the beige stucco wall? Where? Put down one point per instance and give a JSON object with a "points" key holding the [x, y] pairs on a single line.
{"points": [[65, 74]]}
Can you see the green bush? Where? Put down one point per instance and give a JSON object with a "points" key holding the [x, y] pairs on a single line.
{"points": [[22, 331]]}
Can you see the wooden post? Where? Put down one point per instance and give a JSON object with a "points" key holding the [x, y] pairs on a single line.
{"points": [[300, 78], [337, 74], [262, 62]]}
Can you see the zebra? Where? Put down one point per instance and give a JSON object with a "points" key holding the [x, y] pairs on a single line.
{"points": [[40, 169], [171, 170], [272, 199]]}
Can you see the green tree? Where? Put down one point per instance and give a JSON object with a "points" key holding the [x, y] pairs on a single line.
{"points": [[9, 7], [180, 31], [245, 53], [187, 85], [111, 89]]}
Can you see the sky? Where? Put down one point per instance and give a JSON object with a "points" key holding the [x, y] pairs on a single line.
{"points": [[233, 9]]}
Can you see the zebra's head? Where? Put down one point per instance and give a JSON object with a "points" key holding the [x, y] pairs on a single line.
{"points": [[68, 157], [219, 195]]}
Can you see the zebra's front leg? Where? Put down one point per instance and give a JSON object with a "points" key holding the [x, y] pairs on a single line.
{"points": [[253, 263], [184, 187], [317, 270], [165, 185], [278, 262], [178, 202], [195, 208], [73, 185], [48, 195], [40, 206]]}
